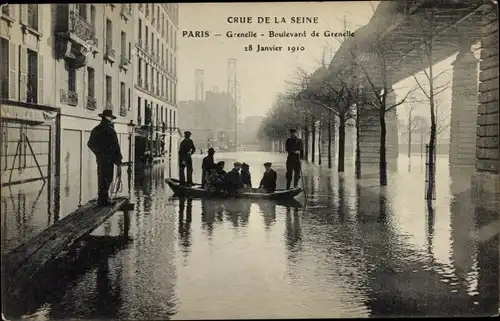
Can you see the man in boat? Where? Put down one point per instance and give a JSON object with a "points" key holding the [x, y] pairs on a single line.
{"points": [[103, 142], [233, 182], [186, 149], [246, 178], [217, 177], [268, 181], [207, 165], [295, 150]]}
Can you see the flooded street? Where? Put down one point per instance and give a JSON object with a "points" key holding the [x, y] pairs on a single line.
{"points": [[354, 250]]}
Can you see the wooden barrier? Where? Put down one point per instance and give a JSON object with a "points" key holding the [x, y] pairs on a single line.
{"points": [[23, 262]]}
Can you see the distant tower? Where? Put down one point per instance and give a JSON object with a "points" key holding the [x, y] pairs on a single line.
{"points": [[232, 89], [199, 90]]}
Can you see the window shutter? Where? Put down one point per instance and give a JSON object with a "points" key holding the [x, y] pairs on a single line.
{"points": [[40, 17], [12, 71], [23, 13], [23, 74], [40, 79]]}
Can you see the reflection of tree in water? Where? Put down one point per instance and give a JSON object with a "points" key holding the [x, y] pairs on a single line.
{"points": [[293, 231], [185, 224], [268, 209]]}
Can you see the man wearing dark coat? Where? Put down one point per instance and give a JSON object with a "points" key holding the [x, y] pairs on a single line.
{"points": [[268, 181], [246, 178], [186, 149], [103, 142], [232, 182], [207, 165], [295, 150]]}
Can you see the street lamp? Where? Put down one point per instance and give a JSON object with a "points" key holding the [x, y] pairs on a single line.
{"points": [[130, 128]]}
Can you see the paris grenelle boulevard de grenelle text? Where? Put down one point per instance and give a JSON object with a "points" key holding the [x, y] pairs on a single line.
{"points": [[271, 33]]}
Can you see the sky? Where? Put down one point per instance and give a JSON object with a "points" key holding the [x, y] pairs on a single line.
{"points": [[262, 75]]}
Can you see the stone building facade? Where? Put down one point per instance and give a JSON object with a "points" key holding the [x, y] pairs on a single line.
{"points": [[155, 81]]}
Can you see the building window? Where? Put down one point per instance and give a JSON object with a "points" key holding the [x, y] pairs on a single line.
{"points": [[162, 53], [168, 25], [4, 63], [139, 111], [91, 82], [163, 24], [170, 117], [174, 119], [109, 34], [109, 88], [146, 72], [146, 33], [129, 100], [123, 40], [82, 11], [122, 94], [157, 45], [92, 19], [129, 51], [152, 40], [161, 114], [71, 79], [139, 71], [158, 18], [33, 16], [140, 29], [157, 114]]}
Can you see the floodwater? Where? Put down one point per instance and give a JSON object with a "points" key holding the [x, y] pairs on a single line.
{"points": [[353, 250]]}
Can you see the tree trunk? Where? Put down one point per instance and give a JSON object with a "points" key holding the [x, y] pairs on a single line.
{"points": [[383, 160], [320, 141], [409, 134], [340, 165], [358, 151], [306, 143], [313, 149], [329, 139], [431, 159]]}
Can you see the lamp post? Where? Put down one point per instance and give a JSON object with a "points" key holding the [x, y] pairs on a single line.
{"points": [[130, 127]]}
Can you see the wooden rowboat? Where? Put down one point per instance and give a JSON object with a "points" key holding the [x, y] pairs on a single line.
{"points": [[197, 191]]}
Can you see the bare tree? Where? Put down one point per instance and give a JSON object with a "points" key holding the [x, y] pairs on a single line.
{"points": [[335, 93], [375, 69], [412, 126], [428, 24]]}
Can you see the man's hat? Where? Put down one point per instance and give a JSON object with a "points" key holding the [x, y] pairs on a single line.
{"points": [[107, 113], [268, 164], [236, 164], [245, 165], [211, 150], [187, 133], [221, 163], [293, 130]]}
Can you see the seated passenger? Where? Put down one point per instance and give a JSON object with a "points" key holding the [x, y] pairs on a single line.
{"points": [[246, 178], [216, 178], [207, 165], [233, 182], [268, 181]]}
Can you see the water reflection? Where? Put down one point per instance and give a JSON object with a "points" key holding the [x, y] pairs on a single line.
{"points": [[51, 295], [185, 223], [355, 250]]}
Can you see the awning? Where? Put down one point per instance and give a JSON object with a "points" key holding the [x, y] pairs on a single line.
{"points": [[26, 114]]}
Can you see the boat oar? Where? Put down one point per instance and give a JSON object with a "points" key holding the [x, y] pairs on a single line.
{"points": [[303, 185]]}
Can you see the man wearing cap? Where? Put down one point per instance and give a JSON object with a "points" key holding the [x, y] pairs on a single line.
{"points": [[295, 150], [268, 181], [233, 182], [186, 149], [207, 165], [103, 142], [246, 177]]}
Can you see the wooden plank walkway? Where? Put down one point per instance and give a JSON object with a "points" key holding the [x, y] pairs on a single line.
{"points": [[23, 262]]}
